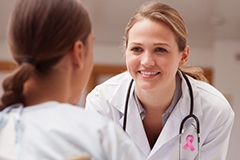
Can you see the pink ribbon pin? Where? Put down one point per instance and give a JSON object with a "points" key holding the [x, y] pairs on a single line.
{"points": [[189, 140]]}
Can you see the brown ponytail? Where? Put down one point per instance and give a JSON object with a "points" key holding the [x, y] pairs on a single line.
{"points": [[13, 85]]}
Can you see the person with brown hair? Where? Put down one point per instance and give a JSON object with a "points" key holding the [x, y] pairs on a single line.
{"points": [[167, 109], [51, 41]]}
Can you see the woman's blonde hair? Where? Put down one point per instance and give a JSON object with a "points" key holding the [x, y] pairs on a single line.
{"points": [[160, 12]]}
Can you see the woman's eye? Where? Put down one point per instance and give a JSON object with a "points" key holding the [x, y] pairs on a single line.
{"points": [[160, 50], [136, 49]]}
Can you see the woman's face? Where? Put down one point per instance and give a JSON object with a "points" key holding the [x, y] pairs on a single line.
{"points": [[152, 55]]}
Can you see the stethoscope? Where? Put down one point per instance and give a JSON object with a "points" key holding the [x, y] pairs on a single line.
{"points": [[182, 127]]}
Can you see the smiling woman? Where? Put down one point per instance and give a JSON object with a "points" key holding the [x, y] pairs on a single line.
{"points": [[157, 97], [152, 44]]}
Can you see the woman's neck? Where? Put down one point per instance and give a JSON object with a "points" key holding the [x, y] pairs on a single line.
{"points": [[156, 99], [155, 103], [39, 90]]}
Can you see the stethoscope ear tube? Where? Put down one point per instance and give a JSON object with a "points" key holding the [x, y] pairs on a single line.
{"points": [[191, 115], [126, 106], [190, 92]]}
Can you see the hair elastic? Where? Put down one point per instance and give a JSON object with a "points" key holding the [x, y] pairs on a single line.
{"points": [[29, 59]]}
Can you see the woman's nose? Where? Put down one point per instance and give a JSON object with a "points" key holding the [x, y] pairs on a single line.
{"points": [[147, 59]]}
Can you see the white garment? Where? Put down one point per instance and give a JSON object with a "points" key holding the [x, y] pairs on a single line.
{"points": [[7, 139], [210, 106], [55, 131]]}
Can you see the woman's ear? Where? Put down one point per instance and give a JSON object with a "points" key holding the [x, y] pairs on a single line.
{"points": [[78, 54], [184, 56]]}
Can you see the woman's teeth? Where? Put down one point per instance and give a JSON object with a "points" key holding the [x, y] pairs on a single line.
{"points": [[149, 73]]}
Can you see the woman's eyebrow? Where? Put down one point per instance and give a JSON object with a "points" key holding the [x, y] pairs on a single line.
{"points": [[165, 44]]}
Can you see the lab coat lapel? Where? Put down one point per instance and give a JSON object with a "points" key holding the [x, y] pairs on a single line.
{"points": [[134, 126], [170, 129], [181, 110], [136, 130]]}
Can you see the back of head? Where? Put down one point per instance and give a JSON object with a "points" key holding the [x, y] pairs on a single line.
{"points": [[46, 29], [40, 33]]}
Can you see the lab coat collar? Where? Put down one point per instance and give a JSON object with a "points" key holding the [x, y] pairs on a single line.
{"points": [[122, 89]]}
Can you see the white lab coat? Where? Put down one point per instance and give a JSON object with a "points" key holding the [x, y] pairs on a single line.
{"points": [[56, 131], [210, 106]]}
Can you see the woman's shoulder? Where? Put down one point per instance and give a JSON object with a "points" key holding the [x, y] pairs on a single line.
{"points": [[62, 124], [65, 119], [213, 102], [209, 92], [77, 115], [65, 114]]}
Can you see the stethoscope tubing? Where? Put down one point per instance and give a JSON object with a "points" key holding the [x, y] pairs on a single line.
{"points": [[191, 115], [126, 106]]}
